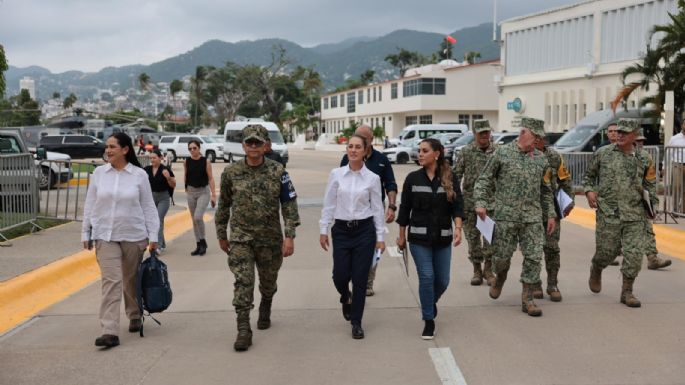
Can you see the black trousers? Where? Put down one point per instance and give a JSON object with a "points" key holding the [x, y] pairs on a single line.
{"points": [[353, 247]]}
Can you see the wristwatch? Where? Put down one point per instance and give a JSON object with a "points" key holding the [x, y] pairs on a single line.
{"points": [[392, 207]]}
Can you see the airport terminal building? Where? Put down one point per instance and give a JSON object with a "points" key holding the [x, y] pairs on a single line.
{"points": [[563, 64], [447, 92]]}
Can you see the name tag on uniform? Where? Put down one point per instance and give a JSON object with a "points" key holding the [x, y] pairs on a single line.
{"points": [[287, 189]]}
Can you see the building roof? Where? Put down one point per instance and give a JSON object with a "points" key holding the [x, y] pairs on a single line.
{"points": [[547, 11]]}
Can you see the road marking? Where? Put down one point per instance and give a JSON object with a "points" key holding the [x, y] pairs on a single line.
{"points": [[393, 251], [446, 366]]}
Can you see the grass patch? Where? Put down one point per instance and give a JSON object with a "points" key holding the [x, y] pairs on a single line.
{"points": [[82, 168], [26, 228]]}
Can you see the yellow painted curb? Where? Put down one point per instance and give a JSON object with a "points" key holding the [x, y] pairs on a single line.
{"points": [[668, 240], [27, 294], [77, 182]]}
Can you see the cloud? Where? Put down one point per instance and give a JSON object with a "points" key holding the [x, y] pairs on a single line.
{"points": [[91, 34]]}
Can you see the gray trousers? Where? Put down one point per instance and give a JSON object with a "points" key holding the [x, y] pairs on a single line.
{"points": [[198, 199], [162, 201]]}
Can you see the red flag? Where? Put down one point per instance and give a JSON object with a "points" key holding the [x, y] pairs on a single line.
{"points": [[451, 40]]}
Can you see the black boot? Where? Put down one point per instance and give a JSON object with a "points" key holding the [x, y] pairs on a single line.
{"points": [[198, 245], [202, 250]]}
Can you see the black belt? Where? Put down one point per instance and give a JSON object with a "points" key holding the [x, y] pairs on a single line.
{"points": [[353, 223]]}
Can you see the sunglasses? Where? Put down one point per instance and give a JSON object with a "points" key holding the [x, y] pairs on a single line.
{"points": [[253, 143], [193, 148]]}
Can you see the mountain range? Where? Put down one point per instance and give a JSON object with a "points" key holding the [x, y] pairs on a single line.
{"points": [[335, 62]]}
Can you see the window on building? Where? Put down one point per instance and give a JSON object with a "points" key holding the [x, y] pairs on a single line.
{"points": [[548, 114], [574, 114], [464, 119], [384, 122], [380, 94], [424, 86], [374, 94], [556, 115], [360, 97], [368, 95], [393, 91], [564, 115], [334, 102], [426, 119], [477, 116], [600, 106], [584, 110], [325, 103], [342, 100], [350, 102], [409, 120]]}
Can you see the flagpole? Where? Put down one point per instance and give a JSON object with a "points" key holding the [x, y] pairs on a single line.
{"points": [[494, 20]]}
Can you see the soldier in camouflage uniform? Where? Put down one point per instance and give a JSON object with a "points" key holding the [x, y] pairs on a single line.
{"points": [[472, 160], [614, 183], [252, 191], [519, 175], [561, 179], [654, 262]]}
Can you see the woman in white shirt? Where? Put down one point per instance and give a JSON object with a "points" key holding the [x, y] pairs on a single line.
{"points": [[353, 204], [121, 219]]}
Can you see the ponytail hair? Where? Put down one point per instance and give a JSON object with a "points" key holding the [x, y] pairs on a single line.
{"points": [[125, 141], [443, 169]]}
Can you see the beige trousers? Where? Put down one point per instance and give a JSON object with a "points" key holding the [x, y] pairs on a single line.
{"points": [[118, 263]]}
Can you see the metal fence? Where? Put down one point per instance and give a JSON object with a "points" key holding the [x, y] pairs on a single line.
{"points": [[674, 180], [18, 192]]}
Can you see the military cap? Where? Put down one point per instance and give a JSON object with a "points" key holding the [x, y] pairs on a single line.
{"points": [[255, 132], [536, 126], [641, 135], [628, 125], [481, 125]]}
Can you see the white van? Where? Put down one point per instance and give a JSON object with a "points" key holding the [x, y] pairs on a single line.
{"points": [[233, 139], [417, 132]]}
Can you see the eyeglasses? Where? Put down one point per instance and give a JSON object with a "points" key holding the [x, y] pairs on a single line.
{"points": [[254, 143], [193, 148]]}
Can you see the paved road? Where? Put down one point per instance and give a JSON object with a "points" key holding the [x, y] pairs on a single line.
{"points": [[586, 339]]}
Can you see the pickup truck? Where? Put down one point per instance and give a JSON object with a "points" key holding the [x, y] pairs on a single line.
{"points": [[53, 169]]}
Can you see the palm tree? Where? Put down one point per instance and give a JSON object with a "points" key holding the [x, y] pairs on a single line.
{"points": [[3, 67], [472, 57], [144, 81], [197, 85]]}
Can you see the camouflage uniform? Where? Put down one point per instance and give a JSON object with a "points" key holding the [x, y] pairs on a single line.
{"points": [[519, 179], [250, 199], [561, 179], [472, 160], [619, 180]]}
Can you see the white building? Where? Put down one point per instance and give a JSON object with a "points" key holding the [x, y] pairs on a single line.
{"points": [[562, 64], [448, 92], [27, 83]]}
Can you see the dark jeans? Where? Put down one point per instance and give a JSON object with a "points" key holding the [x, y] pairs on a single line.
{"points": [[353, 248], [433, 268]]}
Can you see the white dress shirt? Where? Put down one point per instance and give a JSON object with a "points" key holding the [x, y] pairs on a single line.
{"points": [[678, 141], [119, 206], [353, 195]]}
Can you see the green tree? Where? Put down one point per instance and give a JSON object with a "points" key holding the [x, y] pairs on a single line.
{"points": [[379, 133], [367, 76], [404, 60], [175, 87], [69, 101], [445, 50], [471, 57], [660, 65], [144, 81], [56, 95], [197, 87], [3, 68], [227, 89]]}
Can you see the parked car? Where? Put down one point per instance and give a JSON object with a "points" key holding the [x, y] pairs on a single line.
{"points": [[501, 138], [54, 169], [233, 138], [176, 146], [76, 146], [446, 138], [399, 155], [460, 143], [552, 137]]}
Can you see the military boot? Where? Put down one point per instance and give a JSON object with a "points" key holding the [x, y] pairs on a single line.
{"points": [[527, 303], [537, 290], [552, 288], [264, 321], [487, 273], [595, 279], [244, 339], [496, 289], [627, 296], [477, 274], [654, 262]]}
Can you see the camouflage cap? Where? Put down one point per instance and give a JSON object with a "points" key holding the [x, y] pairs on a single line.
{"points": [[641, 135], [628, 125], [481, 125], [536, 126], [256, 132]]}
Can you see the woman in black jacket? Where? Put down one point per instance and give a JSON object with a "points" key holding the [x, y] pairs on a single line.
{"points": [[431, 201], [162, 183]]}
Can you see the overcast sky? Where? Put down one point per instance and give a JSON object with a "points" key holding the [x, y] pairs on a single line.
{"points": [[88, 35]]}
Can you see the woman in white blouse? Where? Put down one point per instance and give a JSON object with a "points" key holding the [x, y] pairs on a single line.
{"points": [[353, 204], [121, 219]]}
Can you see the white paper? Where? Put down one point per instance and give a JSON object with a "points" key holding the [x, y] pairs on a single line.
{"points": [[563, 200], [486, 227], [376, 258]]}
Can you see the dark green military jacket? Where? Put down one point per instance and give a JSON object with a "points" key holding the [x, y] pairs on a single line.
{"points": [[471, 162], [250, 199], [619, 180], [519, 180]]}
